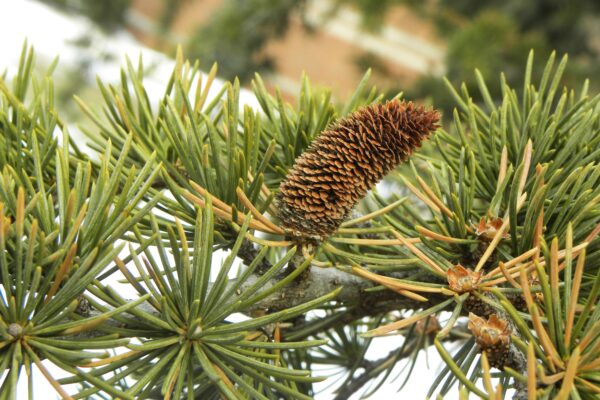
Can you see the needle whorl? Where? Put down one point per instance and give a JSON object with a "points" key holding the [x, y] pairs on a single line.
{"points": [[345, 161]]}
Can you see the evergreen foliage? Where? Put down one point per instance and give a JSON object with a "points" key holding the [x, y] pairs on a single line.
{"points": [[486, 249]]}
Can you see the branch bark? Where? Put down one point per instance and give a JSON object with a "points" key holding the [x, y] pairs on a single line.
{"points": [[320, 281]]}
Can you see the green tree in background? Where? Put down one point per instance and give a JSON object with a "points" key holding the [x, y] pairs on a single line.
{"points": [[491, 42], [237, 34], [108, 14], [567, 27], [496, 35]]}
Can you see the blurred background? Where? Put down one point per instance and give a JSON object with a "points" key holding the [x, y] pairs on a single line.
{"points": [[408, 44]]}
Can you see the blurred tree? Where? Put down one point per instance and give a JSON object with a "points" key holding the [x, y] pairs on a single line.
{"points": [[170, 9], [372, 11], [565, 25], [108, 14], [492, 42], [496, 35], [235, 36]]}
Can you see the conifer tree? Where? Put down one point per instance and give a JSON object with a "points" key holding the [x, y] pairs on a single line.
{"points": [[481, 244]]}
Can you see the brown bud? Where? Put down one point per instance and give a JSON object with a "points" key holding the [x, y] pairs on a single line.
{"points": [[488, 228], [347, 160], [493, 332], [461, 279], [493, 336]]}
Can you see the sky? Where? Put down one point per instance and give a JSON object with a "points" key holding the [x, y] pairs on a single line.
{"points": [[50, 33]]}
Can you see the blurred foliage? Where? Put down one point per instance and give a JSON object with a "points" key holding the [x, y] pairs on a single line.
{"points": [[565, 25], [372, 11], [236, 35], [108, 14], [495, 36], [171, 7], [491, 42]]}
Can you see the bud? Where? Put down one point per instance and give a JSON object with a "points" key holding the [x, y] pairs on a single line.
{"points": [[461, 279], [488, 228], [493, 336], [15, 330]]}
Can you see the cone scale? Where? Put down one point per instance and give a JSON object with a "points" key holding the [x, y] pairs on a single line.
{"points": [[347, 160]]}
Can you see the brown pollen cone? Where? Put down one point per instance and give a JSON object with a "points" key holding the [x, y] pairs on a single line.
{"points": [[493, 336], [345, 161]]}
